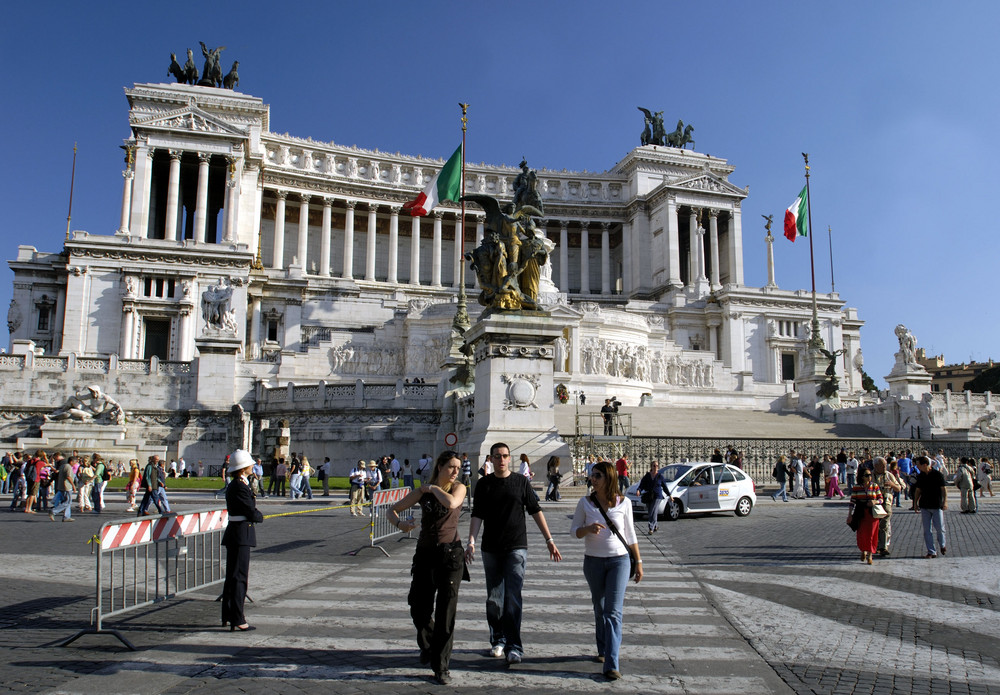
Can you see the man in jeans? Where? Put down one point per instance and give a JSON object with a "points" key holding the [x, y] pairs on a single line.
{"points": [[931, 499], [499, 503], [63, 501]]}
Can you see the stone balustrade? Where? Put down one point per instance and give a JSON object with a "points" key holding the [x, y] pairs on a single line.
{"points": [[360, 394]]}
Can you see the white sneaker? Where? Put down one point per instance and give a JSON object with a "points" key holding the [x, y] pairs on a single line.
{"points": [[513, 658], [497, 651]]}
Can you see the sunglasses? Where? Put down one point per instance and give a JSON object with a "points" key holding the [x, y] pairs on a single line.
{"points": [[596, 475]]}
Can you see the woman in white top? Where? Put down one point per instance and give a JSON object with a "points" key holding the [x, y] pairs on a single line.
{"points": [[606, 561]]}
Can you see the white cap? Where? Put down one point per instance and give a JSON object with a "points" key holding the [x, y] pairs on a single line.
{"points": [[239, 460]]}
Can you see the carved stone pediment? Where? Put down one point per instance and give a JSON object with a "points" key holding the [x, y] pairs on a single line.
{"points": [[706, 181], [189, 119]]}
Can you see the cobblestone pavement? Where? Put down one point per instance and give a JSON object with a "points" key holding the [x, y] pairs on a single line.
{"points": [[774, 602]]}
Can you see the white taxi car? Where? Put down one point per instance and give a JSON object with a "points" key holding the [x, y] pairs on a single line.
{"points": [[700, 487]]}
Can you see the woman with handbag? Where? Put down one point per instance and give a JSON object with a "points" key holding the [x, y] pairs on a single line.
{"points": [[438, 562], [864, 497], [604, 521], [652, 489]]}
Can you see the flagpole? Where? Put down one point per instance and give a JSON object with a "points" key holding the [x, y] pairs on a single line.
{"points": [[72, 179], [815, 340], [829, 235], [462, 321]]}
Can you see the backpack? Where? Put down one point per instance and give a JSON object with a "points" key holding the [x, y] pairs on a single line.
{"points": [[106, 475], [29, 472]]}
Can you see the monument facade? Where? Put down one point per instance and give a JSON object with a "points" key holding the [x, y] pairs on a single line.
{"points": [[281, 274]]}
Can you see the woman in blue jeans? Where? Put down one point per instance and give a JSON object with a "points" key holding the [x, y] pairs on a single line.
{"points": [[606, 559]]}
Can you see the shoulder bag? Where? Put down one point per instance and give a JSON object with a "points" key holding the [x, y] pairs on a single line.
{"points": [[633, 561]]}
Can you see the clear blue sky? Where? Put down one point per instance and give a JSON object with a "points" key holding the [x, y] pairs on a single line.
{"points": [[895, 102]]}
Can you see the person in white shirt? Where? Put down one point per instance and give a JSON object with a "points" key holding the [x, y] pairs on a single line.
{"points": [[357, 478], [424, 468], [182, 467], [852, 471], [373, 482], [526, 467], [173, 468], [606, 559], [394, 468], [324, 476]]}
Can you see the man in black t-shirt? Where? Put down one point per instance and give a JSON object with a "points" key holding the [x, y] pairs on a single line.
{"points": [[931, 499], [499, 503]]}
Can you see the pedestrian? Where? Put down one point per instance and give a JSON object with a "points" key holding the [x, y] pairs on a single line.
{"points": [[604, 521], [906, 471], [306, 470], [407, 472], [17, 485], [525, 467], [46, 476], [357, 480], [395, 470], [32, 477], [239, 537], [257, 478], [833, 481], [887, 484], [423, 468], [896, 493], [780, 474], [102, 476], [608, 414], [466, 470], [373, 480], [438, 562], [63, 502], [865, 495], [161, 492], [985, 477], [652, 489], [323, 474], [295, 482], [554, 477], [499, 504], [150, 483], [84, 485], [965, 481], [931, 500], [134, 475], [815, 475], [622, 469]]}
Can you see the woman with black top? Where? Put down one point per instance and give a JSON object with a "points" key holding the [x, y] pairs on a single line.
{"points": [[438, 563], [239, 537]]}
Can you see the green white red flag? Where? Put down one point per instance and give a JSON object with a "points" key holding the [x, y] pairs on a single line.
{"points": [[446, 185], [797, 217]]}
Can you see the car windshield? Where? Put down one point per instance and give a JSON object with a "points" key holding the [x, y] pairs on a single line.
{"points": [[674, 472]]}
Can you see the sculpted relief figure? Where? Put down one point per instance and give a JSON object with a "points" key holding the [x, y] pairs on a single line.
{"points": [[216, 307], [526, 189], [989, 425], [89, 405]]}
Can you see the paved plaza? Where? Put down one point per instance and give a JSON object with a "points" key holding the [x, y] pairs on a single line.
{"points": [[777, 602]]}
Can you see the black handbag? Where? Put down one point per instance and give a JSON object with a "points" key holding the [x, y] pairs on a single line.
{"points": [[633, 561]]}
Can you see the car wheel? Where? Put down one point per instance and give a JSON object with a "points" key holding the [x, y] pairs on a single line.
{"points": [[672, 512], [744, 506]]}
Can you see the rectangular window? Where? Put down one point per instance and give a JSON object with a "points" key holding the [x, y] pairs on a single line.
{"points": [[157, 338], [272, 331], [788, 366], [43, 318]]}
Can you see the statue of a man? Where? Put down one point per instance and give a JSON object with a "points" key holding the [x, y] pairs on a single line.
{"points": [[907, 344], [89, 405], [215, 304]]}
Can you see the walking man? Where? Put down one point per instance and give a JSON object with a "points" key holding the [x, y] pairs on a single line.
{"points": [[63, 501], [500, 501], [931, 500], [150, 486]]}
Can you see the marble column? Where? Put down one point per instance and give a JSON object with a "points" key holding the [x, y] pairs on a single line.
{"points": [[735, 247], [414, 250], [700, 258], [232, 197], [458, 251], [393, 274], [173, 191], [255, 328], [713, 239], [139, 226], [184, 334], [128, 332], [605, 258], [201, 199], [673, 244], [626, 258], [348, 271], [770, 261], [128, 175], [370, 246], [436, 249], [563, 256], [278, 248], [325, 235], [584, 258], [303, 247], [693, 245]]}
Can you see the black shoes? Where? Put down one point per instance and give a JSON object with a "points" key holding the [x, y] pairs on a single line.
{"points": [[442, 677]]}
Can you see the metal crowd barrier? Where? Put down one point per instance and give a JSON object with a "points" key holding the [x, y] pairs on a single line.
{"points": [[142, 561], [380, 528]]}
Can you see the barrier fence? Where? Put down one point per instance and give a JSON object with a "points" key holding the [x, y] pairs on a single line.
{"points": [[380, 528], [148, 560]]}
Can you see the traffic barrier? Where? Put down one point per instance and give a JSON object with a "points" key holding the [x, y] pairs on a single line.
{"points": [[148, 560], [380, 528]]}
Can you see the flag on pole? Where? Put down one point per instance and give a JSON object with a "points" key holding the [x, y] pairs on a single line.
{"points": [[797, 216], [446, 185]]}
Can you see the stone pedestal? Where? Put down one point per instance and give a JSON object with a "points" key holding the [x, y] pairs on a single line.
{"points": [[808, 383], [110, 441], [218, 356], [515, 392], [908, 380]]}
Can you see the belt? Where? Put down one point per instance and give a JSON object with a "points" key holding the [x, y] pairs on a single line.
{"points": [[237, 518]]}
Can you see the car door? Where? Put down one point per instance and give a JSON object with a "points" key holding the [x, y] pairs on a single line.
{"points": [[728, 487], [703, 494]]}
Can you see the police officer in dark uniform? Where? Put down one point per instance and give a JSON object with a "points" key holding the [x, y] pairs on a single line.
{"points": [[239, 537]]}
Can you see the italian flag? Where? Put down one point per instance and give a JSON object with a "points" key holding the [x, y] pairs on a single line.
{"points": [[797, 217], [446, 185]]}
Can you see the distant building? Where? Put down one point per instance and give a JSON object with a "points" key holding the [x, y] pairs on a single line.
{"points": [[950, 377]]}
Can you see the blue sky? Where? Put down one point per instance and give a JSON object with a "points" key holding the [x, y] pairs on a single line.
{"points": [[894, 101]]}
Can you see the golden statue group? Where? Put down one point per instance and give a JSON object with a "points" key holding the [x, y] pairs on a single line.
{"points": [[508, 262]]}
